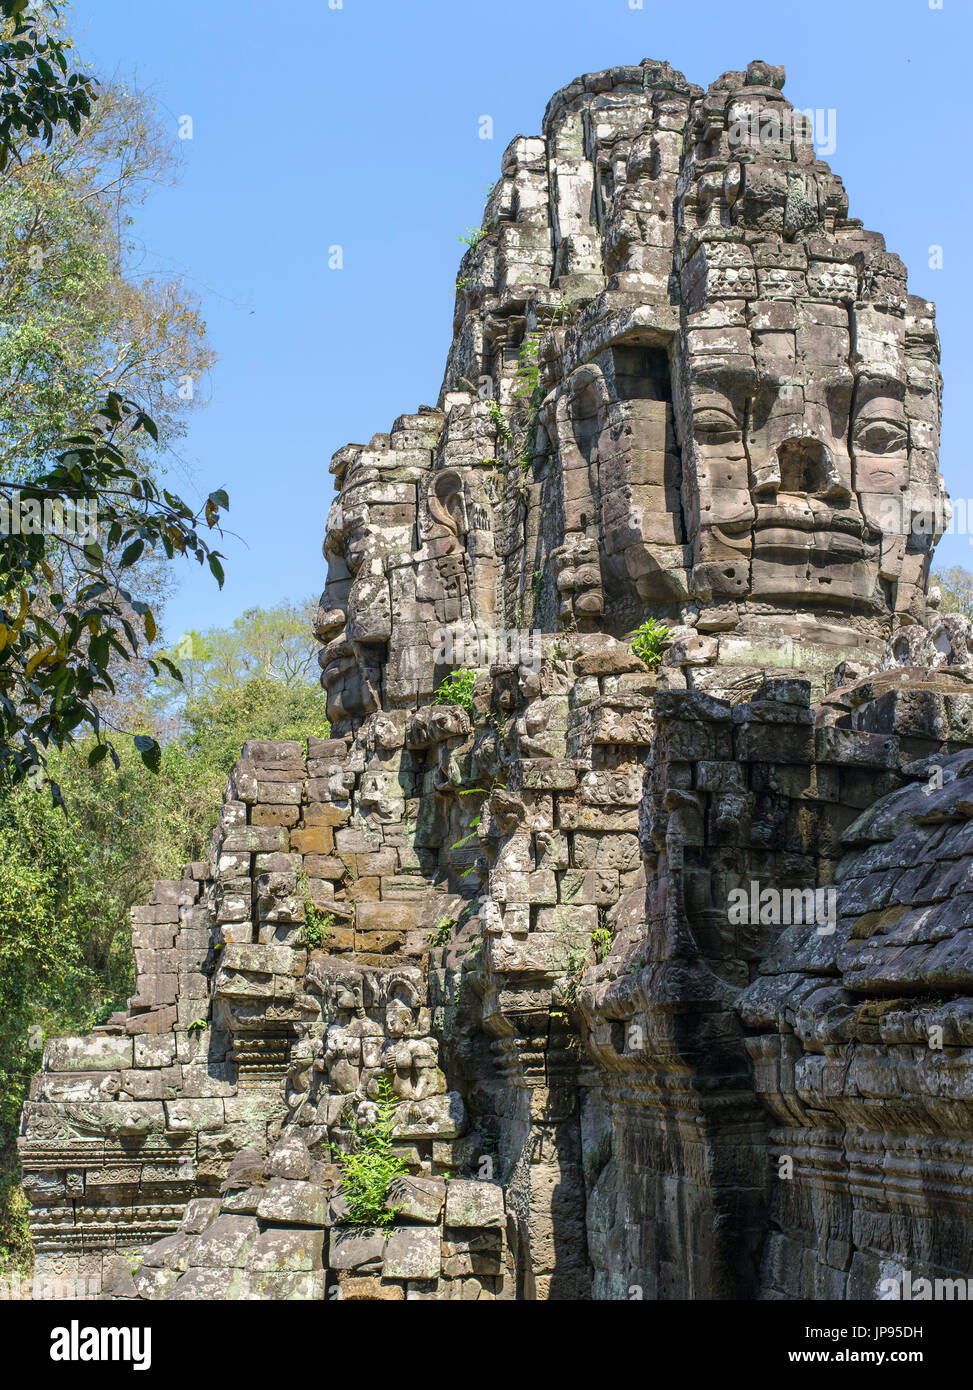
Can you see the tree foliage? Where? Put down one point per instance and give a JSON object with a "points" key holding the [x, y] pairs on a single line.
{"points": [[956, 586], [37, 92], [78, 318], [67, 882], [270, 644], [57, 648], [85, 356]]}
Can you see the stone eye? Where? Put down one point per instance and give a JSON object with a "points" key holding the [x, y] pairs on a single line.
{"points": [[881, 437], [716, 427]]}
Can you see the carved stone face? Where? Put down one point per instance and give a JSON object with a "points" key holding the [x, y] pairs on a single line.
{"points": [[354, 617], [777, 518], [398, 1019], [411, 566], [800, 368], [730, 428]]}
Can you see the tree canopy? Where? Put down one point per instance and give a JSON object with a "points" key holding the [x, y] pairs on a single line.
{"points": [[89, 356], [956, 586], [67, 882]]}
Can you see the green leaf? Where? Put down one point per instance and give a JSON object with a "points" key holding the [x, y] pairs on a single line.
{"points": [[151, 429], [131, 553], [173, 670], [150, 751]]}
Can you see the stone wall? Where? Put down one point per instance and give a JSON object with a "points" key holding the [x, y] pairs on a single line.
{"points": [[711, 1032]]}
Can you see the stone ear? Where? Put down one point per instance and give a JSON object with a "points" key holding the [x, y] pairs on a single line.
{"points": [[447, 505]]}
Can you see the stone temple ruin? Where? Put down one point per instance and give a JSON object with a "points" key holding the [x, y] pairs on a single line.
{"points": [[683, 385]]}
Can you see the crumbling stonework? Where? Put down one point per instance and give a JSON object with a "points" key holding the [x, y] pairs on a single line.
{"points": [[667, 969]]}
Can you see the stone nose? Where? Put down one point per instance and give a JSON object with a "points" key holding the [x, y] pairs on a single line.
{"points": [[328, 621]]}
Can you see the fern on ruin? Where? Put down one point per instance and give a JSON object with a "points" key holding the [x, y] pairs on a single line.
{"points": [[650, 642], [368, 1171], [318, 926], [456, 689]]}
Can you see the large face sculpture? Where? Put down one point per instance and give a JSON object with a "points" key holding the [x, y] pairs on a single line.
{"points": [[370, 517], [411, 576], [734, 422], [796, 385]]}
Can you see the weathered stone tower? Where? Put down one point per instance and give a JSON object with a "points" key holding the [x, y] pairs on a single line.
{"points": [[684, 386]]}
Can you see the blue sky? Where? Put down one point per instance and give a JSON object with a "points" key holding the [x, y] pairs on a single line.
{"points": [[358, 126]]}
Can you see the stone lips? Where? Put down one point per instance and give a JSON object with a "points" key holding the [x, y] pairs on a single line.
{"points": [[684, 385]]}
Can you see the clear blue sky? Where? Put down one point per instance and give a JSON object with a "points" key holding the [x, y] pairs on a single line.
{"points": [[358, 126]]}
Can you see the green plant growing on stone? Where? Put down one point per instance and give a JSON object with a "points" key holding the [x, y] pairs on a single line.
{"points": [[650, 642], [528, 391], [528, 371], [474, 235], [471, 835], [559, 649], [577, 960], [601, 943], [368, 1171], [456, 689], [575, 968], [318, 929], [197, 1026], [498, 419], [318, 926], [443, 930], [461, 843]]}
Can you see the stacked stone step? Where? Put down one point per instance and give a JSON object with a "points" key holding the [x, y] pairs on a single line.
{"points": [[171, 942], [123, 1127], [109, 1159], [281, 1231], [330, 833]]}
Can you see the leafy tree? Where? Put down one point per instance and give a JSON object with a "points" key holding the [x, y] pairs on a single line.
{"points": [[270, 644], [67, 882], [37, 93], [58, 645], [70, 613], [63, 962], [956, 585], [77, 317]]}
